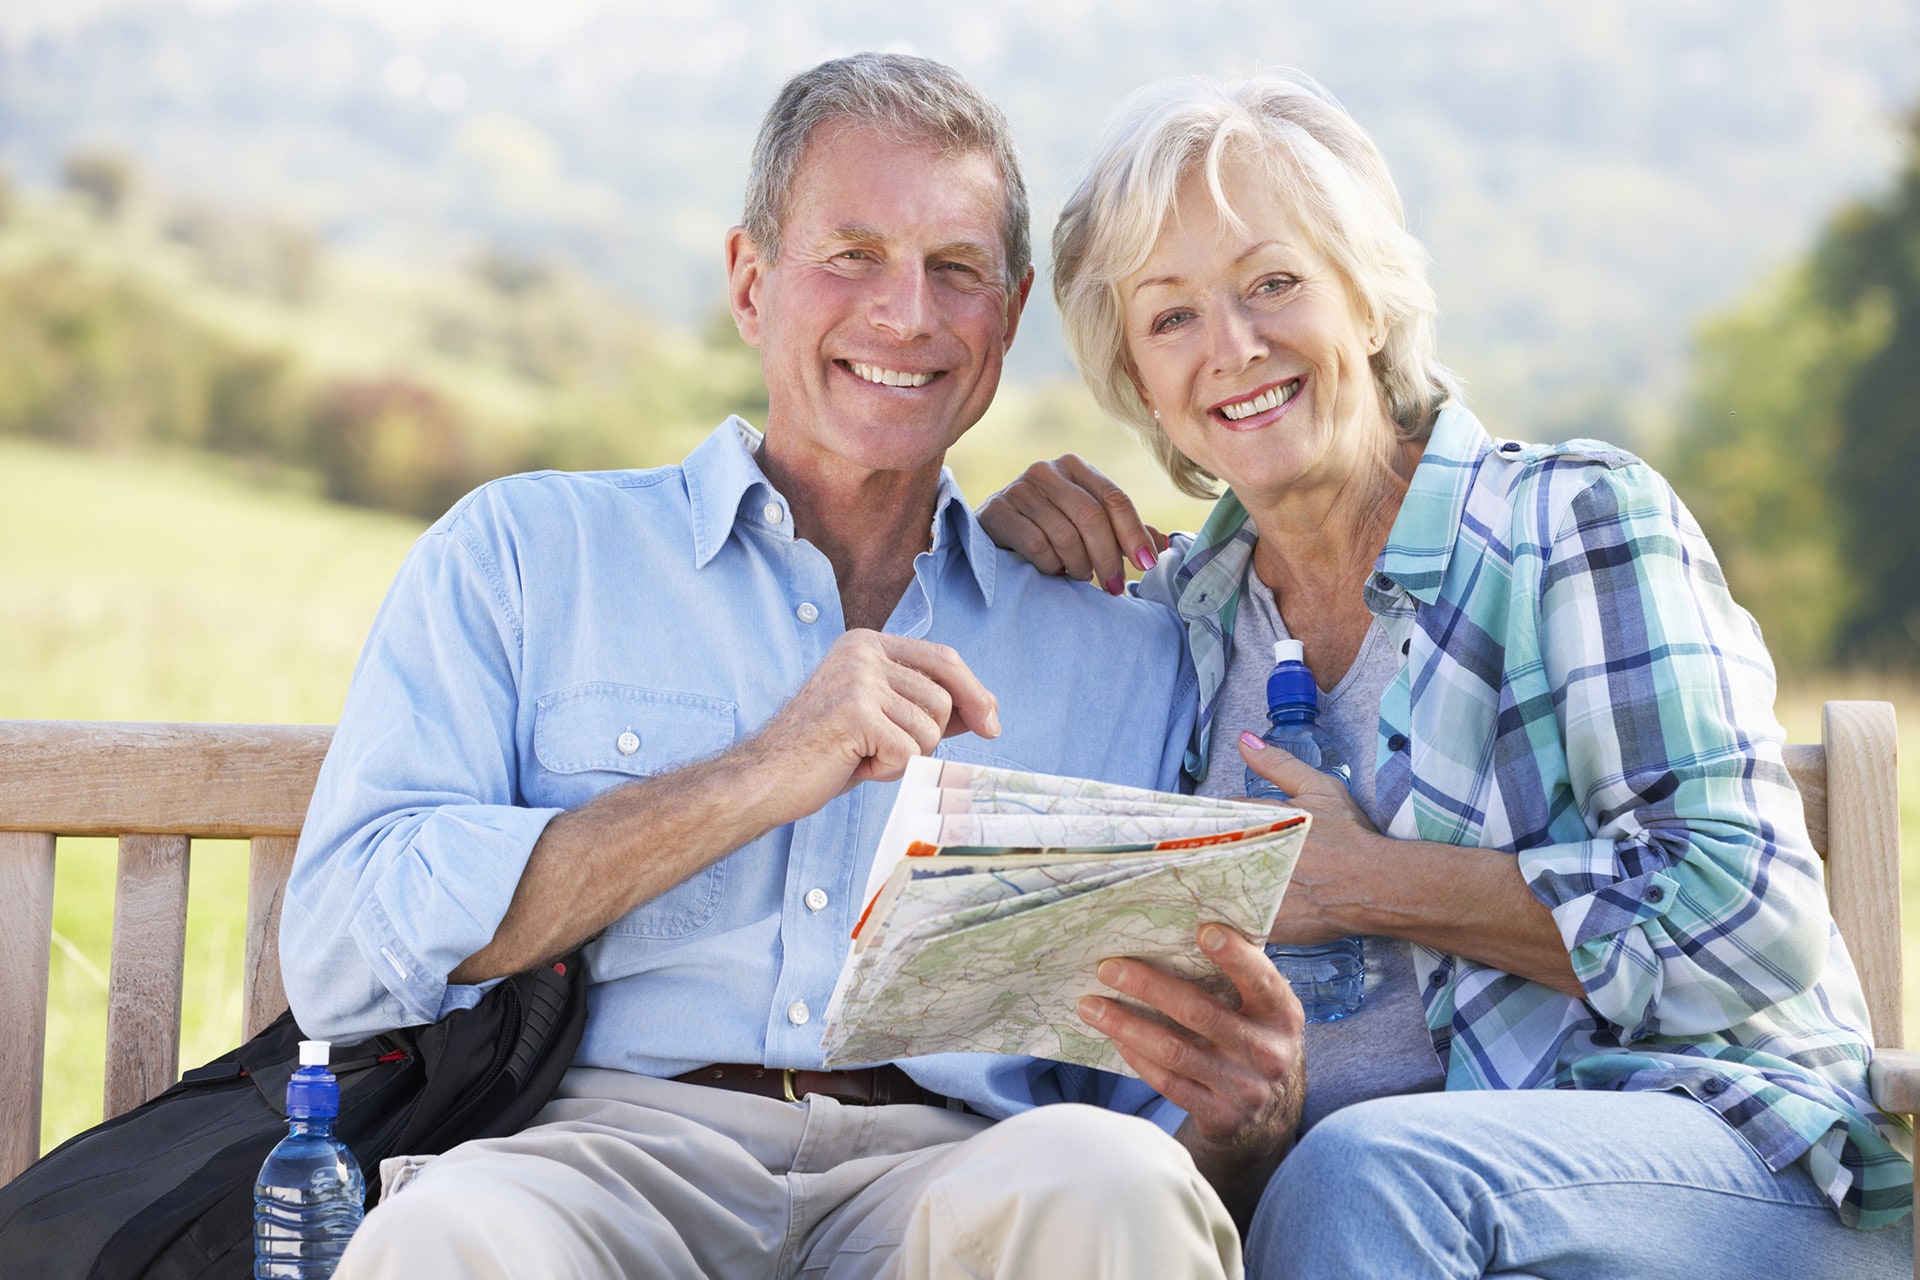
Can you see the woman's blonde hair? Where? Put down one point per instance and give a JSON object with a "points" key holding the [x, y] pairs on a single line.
{"points": [[1324, 168]]}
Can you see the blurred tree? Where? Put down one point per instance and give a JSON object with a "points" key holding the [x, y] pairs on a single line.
{"points": [[1756, 460], [1802, 440], [255, 408], [106, 179], [512, 274], [1869, 263], [391, 443], [99, 363]]}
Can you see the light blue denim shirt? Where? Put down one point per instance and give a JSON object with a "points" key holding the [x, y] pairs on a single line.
{"points": [[554, 635]]}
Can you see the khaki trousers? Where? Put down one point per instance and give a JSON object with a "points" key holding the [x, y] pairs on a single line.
{"points": [[623, 1175]]}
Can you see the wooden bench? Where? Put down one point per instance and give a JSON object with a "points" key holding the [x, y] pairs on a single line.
{"points": [[157, 787]]}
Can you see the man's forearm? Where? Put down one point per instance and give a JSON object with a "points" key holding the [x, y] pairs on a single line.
{"points": [[626, 846], [873, 704]]}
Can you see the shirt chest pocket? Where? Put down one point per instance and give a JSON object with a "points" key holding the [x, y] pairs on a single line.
{"points": [[593, 737]]}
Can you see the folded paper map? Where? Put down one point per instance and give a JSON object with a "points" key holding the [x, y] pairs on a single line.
{"points": [[994, 894]]}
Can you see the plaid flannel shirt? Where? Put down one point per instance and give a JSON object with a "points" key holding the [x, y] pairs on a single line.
{"points": [[1578, 688]]}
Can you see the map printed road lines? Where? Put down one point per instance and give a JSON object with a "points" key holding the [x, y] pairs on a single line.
{"points": [[995, 894]]}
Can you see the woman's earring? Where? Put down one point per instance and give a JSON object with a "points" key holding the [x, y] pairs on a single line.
{"points": [[1156, 415]]}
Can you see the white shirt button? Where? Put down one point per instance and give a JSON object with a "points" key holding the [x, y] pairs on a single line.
{"points": [[806, 612], [628, 743], [772, 512], [816, 899], [797, 1013]]}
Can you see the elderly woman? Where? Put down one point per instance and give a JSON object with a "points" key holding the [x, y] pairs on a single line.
{"points": [[1610, 1028]]}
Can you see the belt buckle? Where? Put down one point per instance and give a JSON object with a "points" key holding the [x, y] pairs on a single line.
{"points": [[786, 1084]]}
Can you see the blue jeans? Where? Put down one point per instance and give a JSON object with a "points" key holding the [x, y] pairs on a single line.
{"points": [[1549, 1185]]}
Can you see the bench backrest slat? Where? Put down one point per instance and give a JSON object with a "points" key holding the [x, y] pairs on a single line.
{"points": [[26, 941], [1862, 845], [270, 859], [149, 952], [205, 780], [1807, 763]]}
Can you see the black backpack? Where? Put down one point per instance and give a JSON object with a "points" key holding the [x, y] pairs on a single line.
{"points": [[165, 1191]]}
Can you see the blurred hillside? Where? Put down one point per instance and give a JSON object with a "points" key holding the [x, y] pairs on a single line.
{"points": [[133, 319], [1589, 177]]}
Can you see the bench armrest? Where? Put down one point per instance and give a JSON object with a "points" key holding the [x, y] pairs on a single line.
{"points": [[1893, 1078]]}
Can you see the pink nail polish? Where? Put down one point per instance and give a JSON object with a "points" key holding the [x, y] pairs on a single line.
{"points": [[1145, 558], [1252, 741], [1116, 585]]}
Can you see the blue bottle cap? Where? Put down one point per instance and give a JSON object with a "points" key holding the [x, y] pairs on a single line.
{"points": [[1291, 684], [313, 1093]]}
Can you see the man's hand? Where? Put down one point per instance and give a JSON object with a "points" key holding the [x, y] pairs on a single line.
{"points": [[1065, 517], [1240, 1073], [875, 702]]}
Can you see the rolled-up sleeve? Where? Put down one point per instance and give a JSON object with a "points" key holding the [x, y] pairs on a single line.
{"points": [[415, 839], [1696, 899]]}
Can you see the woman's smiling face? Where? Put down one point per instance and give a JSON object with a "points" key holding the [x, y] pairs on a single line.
{"points": [[1248, 343]]}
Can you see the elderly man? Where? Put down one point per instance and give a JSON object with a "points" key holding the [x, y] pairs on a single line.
{"points": [[654, 709]]}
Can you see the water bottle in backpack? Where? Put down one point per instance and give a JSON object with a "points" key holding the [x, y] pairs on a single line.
{"points": [[310, 1196]]}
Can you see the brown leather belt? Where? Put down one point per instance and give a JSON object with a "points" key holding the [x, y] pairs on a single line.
{"points": [[866, 1087]]}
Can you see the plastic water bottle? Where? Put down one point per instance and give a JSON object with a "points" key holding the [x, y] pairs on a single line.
{"points": [[310, 1196], [1329, 977]]}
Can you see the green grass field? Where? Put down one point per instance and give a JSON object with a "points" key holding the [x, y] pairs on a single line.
{"points": [[171, 589]]}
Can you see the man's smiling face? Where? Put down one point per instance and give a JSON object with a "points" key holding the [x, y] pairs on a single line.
{"points": [[883, 325]]}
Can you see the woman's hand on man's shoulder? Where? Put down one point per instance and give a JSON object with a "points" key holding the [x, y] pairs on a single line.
{"points": [[1065, 517]]}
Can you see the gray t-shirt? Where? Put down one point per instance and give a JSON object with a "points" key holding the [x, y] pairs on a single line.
{"points": [[1383, 1047]]}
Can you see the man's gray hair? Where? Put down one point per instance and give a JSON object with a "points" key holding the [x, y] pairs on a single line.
{"points": [[913, 100], [1323, 168]]}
